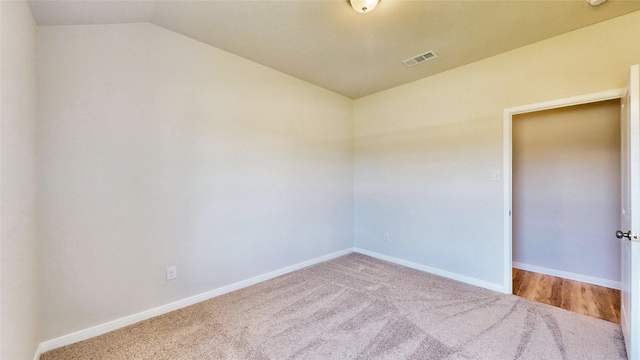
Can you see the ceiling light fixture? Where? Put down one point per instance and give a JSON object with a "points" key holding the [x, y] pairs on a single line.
{"points": [[363, 6]]}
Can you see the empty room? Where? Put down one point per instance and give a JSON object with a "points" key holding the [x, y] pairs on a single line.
{"points": [[318, 179]]}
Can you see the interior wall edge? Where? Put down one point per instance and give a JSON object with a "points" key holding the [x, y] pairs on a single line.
{"points": [[20, 318]]}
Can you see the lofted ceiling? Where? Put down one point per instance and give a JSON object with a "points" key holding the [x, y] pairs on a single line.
{"points": [[327, 43]]}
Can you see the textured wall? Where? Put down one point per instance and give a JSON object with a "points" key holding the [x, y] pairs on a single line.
{"points": [[158, 150]]}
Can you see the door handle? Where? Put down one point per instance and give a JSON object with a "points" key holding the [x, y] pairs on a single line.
{"points": [[629, 235], [620, 234]]}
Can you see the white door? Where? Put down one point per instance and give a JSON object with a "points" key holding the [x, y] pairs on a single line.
{"points": [[630, 276]]}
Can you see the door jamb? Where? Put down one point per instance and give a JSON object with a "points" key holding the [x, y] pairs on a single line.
{"points": [[507, 163]]}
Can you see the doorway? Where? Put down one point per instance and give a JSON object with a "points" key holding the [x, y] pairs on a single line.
{"points": [[566, 192], [566, 200], [508, 181]]}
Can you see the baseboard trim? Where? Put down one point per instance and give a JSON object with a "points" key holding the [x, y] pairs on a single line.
{"points": [[38, 352], [144, 315], [431, 270], [568, 275]]}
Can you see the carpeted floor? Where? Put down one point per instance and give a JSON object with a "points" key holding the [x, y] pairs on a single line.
{"points": [[357, 307]]}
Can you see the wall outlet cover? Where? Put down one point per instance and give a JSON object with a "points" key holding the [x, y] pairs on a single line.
{"points": [[172, 273]]}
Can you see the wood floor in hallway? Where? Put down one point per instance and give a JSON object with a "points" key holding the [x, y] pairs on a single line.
{"points": [[582, 298]]}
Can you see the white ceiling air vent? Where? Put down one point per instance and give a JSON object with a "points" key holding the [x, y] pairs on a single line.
{"points": [[415, 60]]}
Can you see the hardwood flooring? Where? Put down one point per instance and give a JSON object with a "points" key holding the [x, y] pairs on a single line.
{"points": [[582, 298]]}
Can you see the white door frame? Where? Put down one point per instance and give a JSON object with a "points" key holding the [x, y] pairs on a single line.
{"points": [[507, 163]]}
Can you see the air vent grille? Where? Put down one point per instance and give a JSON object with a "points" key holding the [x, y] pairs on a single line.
{"points": [[415, 60]]}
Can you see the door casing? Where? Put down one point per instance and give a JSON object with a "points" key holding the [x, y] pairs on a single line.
{"points": [[507, 163]]}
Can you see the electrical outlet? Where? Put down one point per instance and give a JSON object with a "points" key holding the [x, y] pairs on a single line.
{"points": [[386, 237], [172, 273]]}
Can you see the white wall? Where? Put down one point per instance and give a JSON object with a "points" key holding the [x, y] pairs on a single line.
{"points": [[158, 150], [566, 190], [19, 286], [424, 152]]}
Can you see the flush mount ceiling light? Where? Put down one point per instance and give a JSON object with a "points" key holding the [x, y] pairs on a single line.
{"points": [[363, 6]]}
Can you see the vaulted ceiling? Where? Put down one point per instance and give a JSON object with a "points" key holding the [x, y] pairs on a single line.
{"points": [[327, 43]]}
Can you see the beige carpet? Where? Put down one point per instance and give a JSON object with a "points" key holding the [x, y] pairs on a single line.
{"points": [[357, 307]]}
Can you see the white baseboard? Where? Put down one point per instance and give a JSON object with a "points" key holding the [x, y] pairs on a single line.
{"points": [[568, 275], [132, 319], [38, 352], [439, 272]]}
